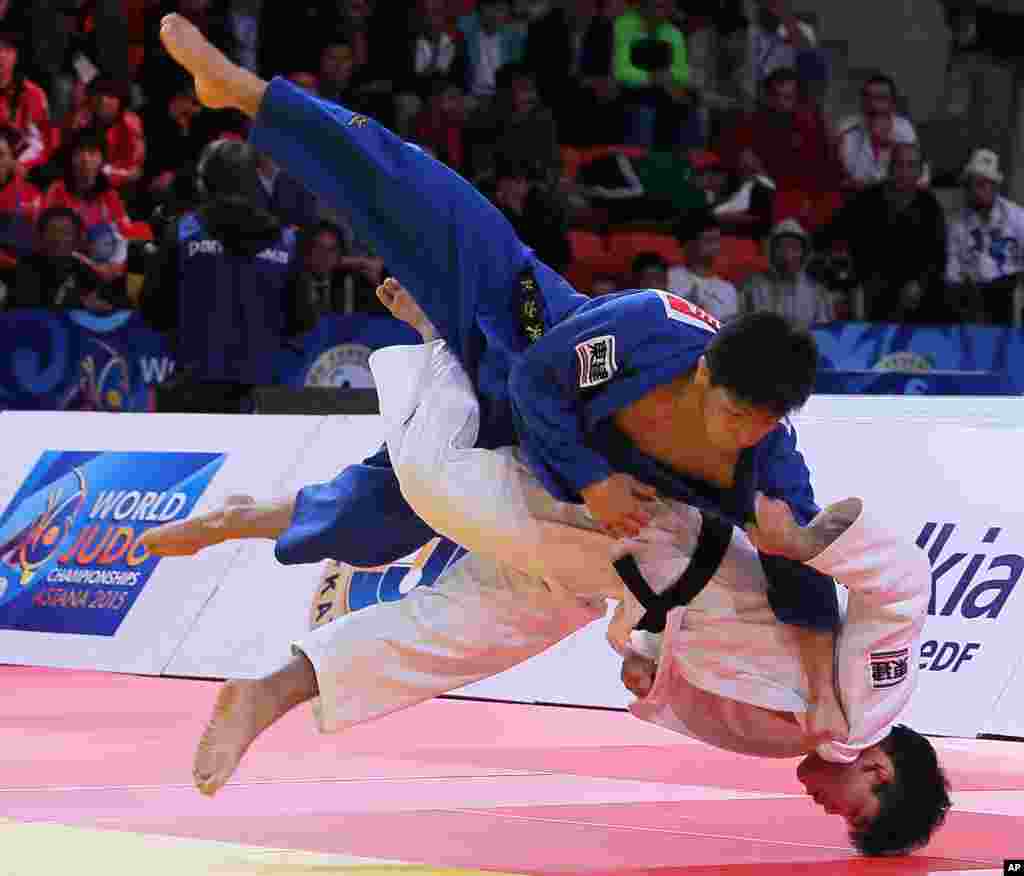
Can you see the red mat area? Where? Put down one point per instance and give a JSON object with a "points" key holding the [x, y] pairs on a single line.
{"points": [[524, 789]]}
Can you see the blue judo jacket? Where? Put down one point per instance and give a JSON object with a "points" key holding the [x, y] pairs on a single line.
{"points": [[550, 366]]}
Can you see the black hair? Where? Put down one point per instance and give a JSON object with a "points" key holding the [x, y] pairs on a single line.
{"points": [[779, 76], [880, 79], [647, 260], [765, 361], [693, 223], [51, 213], [913, 805]]}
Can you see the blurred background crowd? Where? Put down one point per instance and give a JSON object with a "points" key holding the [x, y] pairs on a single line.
{"points": [[730, 151]]}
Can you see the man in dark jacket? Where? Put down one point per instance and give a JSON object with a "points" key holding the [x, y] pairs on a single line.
{"points": [[222, 283], [897, 235]]}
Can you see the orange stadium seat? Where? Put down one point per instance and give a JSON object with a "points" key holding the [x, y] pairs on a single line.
{"points": [[624, 246], [739, 258]]}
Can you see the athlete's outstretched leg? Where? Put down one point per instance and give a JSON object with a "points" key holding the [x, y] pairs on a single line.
{"points": [[477, 621], [454, 250]]}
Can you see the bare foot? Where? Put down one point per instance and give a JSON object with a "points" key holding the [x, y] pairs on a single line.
{"points": [[394, 296], [207, 64], [182, 538], [243, 710]]}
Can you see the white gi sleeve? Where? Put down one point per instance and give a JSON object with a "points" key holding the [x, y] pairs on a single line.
{"points": [[877, 647]]}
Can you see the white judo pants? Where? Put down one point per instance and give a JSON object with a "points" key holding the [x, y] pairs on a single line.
{"points": [[526, 585]]}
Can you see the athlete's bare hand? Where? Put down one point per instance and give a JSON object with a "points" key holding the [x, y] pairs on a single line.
{"points": [[777, 532], [826, 721], [638, 674], [621, 504]]}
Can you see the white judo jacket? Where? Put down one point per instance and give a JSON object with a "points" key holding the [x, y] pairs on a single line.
{"points": [[729, 673]]}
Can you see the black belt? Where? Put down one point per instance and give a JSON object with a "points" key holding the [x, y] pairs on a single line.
{"points": [[712, 543]]}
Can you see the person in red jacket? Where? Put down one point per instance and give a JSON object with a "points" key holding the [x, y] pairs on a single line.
{"points": [[24, 106], [20, 202], [105, 111], [786, 139], [84, 188]]}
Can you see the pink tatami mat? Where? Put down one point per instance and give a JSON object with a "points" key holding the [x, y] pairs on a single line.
{"points": [[454, 784]]}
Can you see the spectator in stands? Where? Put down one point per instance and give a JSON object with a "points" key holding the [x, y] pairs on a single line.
{"points": [[650, 63], [223, 283], [527, 203], [24, 106], [986, 245], [58, 274], [106, 112], [306, 81], [334, 74], [652, 188], [785, 140], [84, 188], [649, 271], [604, 284], [866, 140], [897, 236], [431, 52], [515, 122], [786, 288], [569, 50], [834, 270], [742, 200], [244, 20], [700, 234], [174, 141], [320, 286], [778, 40], [491, 43], [439, 125], [20, 204], [283, 196]]}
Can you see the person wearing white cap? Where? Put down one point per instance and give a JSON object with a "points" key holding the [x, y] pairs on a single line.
{"points": [[786, 288], [986, 245]]}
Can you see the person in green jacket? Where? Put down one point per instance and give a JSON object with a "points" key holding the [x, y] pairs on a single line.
{"points": [[650, 62]]}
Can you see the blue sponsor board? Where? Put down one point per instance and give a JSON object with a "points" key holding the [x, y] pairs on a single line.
{"points": [[70, 557]]}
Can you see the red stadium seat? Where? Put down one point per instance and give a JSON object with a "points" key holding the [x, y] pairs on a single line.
{"points": [[624, 246]]}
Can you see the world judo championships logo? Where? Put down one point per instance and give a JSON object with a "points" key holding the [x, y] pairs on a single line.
{"points": [[32, 548]]}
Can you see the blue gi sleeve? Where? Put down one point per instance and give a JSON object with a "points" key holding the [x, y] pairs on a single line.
{"points": [[448, 245], [799, 595], [359, 518], [606, 354]]}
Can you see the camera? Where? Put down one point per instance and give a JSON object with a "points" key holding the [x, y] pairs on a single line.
{"points": [[651, 55]]}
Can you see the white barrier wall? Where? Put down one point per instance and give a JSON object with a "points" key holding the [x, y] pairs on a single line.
{"points": [[261, 606], [67, 612], [941, 471]]}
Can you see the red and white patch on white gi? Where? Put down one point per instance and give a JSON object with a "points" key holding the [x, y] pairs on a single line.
{"points": [[888, 668], [596, 359], [682, 310]]}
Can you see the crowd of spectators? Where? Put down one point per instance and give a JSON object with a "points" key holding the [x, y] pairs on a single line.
{"points": [[585, 121]]}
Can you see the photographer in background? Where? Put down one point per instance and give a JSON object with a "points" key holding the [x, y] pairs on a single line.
{"points": [[223, 284], [58, 276]]}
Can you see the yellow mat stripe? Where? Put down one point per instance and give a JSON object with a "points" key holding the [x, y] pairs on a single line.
{"points": [[36, 848]]}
